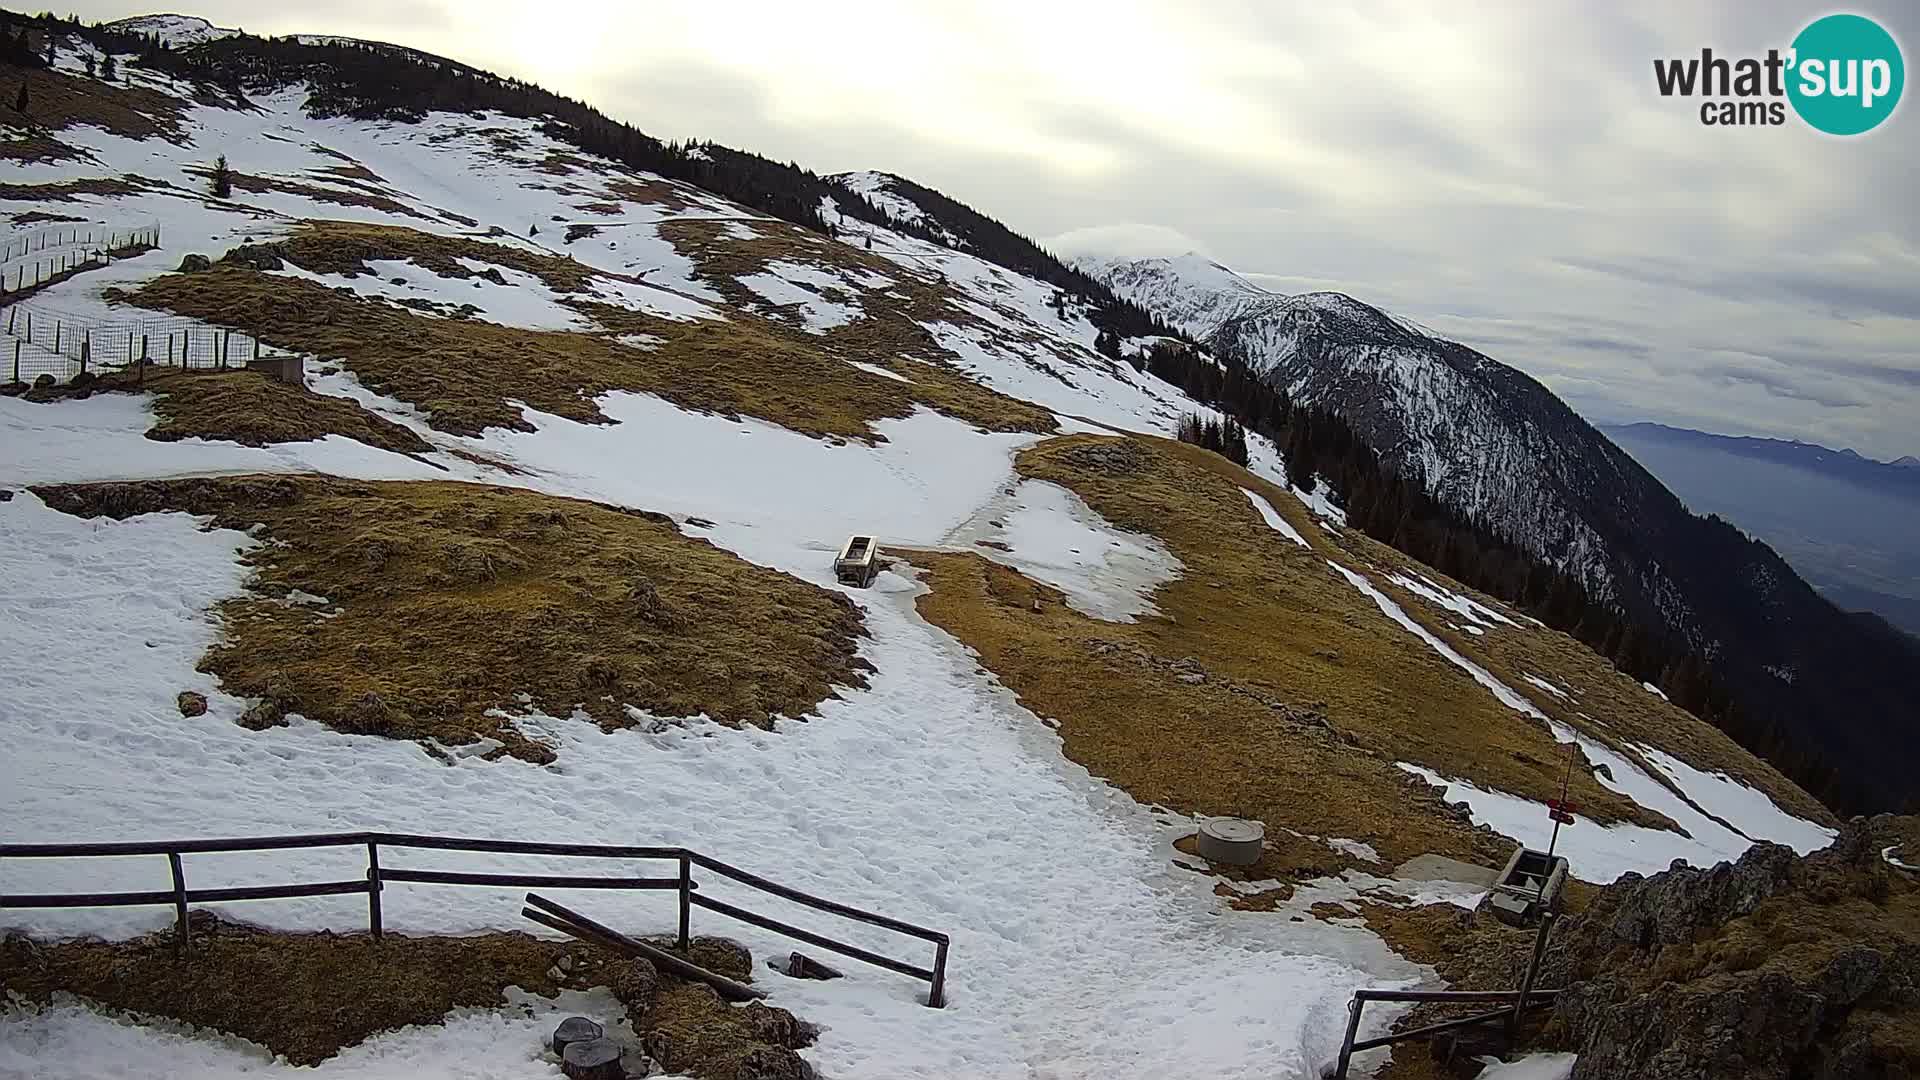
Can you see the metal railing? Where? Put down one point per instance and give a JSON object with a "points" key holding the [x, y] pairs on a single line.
{"points": [[179, 897], [1513, 1004]]}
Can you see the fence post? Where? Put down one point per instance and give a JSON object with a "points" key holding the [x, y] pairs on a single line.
{"points": [[686, 904], [937, 995], [169, 348], [373, 890], [256, 346], [1346, 1045], [10, 314], [16, 359], [56, 335], [86, 352], [179, 896]]}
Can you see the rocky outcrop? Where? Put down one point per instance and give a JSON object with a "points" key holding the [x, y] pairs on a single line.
{"points": [[1771, 967]]}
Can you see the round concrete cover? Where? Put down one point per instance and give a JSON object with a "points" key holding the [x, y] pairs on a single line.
{"points": [[1234, 830]]}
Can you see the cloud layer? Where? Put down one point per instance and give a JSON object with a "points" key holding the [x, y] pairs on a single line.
{"points": [[1506, 174]]}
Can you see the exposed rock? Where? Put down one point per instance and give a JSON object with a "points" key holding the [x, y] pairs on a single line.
{"points": [[1775, 967], [1115, 456], [193, 264], [191, 703], [254, 257], [1671, 907], [262, 715], [492, 273], [5, 495]]}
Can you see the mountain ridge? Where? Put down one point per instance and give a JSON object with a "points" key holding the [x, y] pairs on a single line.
{"points": [[1498, 447]]}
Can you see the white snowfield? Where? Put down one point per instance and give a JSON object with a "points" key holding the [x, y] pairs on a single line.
{"points": [[1079, 948]]}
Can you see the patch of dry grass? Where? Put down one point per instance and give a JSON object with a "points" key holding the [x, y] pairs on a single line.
{"points": [[466, 374], [1609, 705], [68, 190], [309, 996], [453, 607], [255, 185], [248, 408], [1308, 697], [56, 100], [345, 247]]}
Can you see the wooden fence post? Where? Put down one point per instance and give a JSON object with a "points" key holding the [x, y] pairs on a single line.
{"points": [[56, 335], [179, 896], [686, 904], [16, 359], [86, 351], [256, 346], [373, 891]]}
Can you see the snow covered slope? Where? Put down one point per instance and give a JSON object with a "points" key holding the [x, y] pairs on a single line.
{"points": [[543, 319], [1192, 292], [176, 30]]}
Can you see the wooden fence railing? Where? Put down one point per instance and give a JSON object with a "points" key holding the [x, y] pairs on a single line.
{"points": [[180, 897]]}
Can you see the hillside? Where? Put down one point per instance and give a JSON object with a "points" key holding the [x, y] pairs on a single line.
{"points": [[1846, 523], [539, 545], [1814, 689]]}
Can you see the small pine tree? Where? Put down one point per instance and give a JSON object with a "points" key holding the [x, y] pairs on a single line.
{"points": [[49, 50], [108, 70], [533, 230], [92, 68], [20, 102], [222, 178]]}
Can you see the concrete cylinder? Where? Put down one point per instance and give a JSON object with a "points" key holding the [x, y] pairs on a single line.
{"points": [[1234, 841]]}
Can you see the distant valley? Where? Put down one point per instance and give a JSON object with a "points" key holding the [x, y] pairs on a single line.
{"points": [[1849, 524]]}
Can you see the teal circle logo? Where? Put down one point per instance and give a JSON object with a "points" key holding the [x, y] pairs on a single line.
{"points": [[1846, 74]]}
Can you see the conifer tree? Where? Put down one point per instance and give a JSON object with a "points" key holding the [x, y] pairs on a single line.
{"points": [[20, 102], [222, 178]]}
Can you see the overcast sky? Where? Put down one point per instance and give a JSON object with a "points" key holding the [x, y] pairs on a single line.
{"points": [[1505, 174]]}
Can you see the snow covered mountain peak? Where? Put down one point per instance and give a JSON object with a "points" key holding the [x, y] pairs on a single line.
{"points": [[175, 30]]}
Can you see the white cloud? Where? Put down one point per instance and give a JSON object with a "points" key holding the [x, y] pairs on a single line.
{"points": [[1130, 240], [1450, 162]]}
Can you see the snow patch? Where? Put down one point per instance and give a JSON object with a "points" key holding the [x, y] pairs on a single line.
{"points": [[1052, 536], [1274, 520]]}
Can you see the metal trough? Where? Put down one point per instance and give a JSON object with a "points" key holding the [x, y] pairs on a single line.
{"points": [[858, 562], [1528, 887]]}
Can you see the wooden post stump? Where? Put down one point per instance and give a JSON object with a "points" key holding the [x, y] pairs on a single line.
{"points": [[595, 1059]]}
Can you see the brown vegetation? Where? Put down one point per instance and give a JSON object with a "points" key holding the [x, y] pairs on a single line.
{"points": [[309, 996], [466, 374], [451, 608], [1305, 694], [1609, 705], [56, 100], [256, 184], [68, 190], [248, 408]]}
